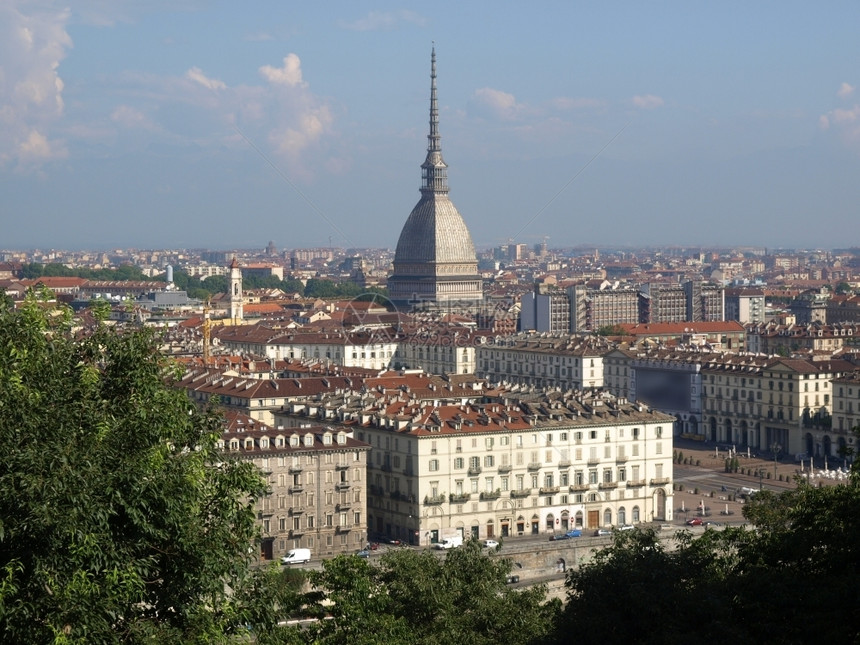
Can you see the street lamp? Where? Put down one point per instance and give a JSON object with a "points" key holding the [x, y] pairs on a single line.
{"points": [[775, 448]]}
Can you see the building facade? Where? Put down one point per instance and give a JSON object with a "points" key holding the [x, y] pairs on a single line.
{"points": [[318, 482]]}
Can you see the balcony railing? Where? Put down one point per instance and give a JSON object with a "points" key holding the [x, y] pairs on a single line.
{"points": [[521, 492], [342, 485], [459, 498], [564, 463], [592, 461], [295, 470], [296, 488], [341, 466], [297, 510], [474, 470], [434, 500], [659, 481], [505, 468], [534, 465], [577, 488], [621, 459], [491, 494], [634, 483], [548, 490], [606, 485]]}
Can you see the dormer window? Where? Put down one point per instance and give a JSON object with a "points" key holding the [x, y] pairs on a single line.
{"points": [[341, 438], [249, 444], [326, 439], [234, 444], [264, 443], [309, 439], [294, 440]]}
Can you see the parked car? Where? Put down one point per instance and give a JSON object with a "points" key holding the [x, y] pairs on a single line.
{"points": [[572, 533], [695, 521], [626, 527], [602, 532], [713, 524], [364, 553], [490, 544]]}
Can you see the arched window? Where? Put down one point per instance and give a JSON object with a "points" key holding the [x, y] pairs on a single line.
{"points": [[635, 514], [622, 515], [607, 517]]}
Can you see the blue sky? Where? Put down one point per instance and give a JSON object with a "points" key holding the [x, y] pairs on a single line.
{"points": [[188, 123]]}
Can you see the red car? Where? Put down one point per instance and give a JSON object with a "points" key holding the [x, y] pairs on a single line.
{"points": [[695, 521]]}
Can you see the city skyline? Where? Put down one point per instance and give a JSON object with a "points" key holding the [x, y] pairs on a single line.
{"points": [[206, 124]]}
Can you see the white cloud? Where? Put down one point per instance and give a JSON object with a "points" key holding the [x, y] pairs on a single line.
{"points": [[647, 101], [845, 90], [33, 41], [290, 74], [36, 148], [196, 74], [384, 20], [494, 103], [845, 123]]}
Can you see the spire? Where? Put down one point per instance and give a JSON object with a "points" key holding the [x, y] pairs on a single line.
{"points": [[434, 170]]}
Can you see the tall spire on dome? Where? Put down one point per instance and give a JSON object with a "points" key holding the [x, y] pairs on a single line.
{"points": [[434, 170]]}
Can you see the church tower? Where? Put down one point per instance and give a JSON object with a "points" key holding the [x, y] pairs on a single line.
{"points": [[435, 264], [236, 310]]}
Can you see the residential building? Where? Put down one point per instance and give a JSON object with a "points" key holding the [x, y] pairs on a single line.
{"points": [[510, 464], [565, 361], [318, 485]]}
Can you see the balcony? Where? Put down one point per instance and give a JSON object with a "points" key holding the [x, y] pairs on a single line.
{"points": [[342, 486], [564, 463], [621, 459], [548, 490], [296, 533], [434, 500], [474, 470], [522, 492], [592, 461], [296, 488], [343, 506], [459, 498], [342, 528], [341, 466], [607, 485], [505, 468], [635, 483], [295, 470], [534, 465], [659, 481], [491, 494], [578, 488], [297, 510]]}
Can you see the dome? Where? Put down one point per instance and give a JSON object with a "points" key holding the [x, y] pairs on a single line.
{"points": [[435, 232]]}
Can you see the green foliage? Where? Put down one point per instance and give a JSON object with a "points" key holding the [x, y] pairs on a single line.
{"points": [[417, 598], [792, 579], [120, 521], [125, 272], [611, 330]]}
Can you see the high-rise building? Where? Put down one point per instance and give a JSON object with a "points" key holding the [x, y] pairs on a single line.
{"points": [[435, 262]]}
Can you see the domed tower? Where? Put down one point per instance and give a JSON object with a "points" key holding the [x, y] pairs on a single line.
{"points": [[435, 261]]}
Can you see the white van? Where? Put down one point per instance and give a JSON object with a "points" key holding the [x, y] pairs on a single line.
{"points": [[297, 556], [450, 542]]}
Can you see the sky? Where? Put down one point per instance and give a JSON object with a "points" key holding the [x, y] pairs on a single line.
{"points": [[224, 125]]}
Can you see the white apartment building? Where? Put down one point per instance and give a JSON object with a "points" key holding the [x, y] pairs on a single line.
{"points": [[510, 464], [566, 361]]}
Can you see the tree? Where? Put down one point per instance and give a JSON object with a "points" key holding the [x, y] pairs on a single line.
{"points": [[419, 598], [791, 579], [120, 521]]}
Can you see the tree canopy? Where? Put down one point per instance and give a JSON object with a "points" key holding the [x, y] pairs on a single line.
{"points": [[120, 521], [791, 579]]}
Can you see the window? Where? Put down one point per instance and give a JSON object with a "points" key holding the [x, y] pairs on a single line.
{"points": [[458, 463], [434, 465], [488, 461]]}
